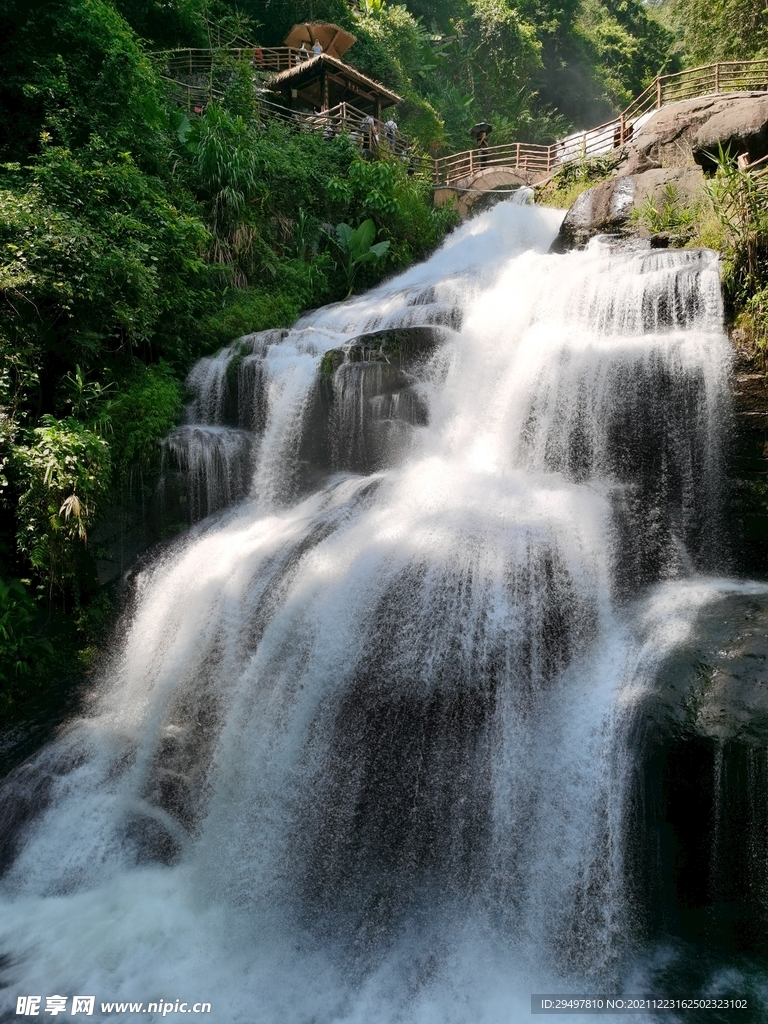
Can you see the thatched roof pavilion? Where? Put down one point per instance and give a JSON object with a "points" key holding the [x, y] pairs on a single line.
{"points": [[323, 81]]}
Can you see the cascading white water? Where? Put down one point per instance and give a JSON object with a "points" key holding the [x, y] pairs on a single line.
{"points": [[361, 755]]}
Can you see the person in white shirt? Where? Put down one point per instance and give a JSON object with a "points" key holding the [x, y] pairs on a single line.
{"points": [[390, 130], [368, 127]]}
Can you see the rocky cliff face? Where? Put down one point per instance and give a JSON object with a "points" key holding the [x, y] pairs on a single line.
{"points": [[674, 148], [749, 462]]}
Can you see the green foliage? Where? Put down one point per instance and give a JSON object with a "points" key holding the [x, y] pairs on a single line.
{"points": [[575, 177], [94, 257], [717, 30], [626, 47], [669, 213], [258, 308], [65, 468], [147, 407], [74, 69], [22, 648], [740, 202], [357, 248], [752, 318]]}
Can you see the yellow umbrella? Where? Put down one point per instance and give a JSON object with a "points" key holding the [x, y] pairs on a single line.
{"points": [[335, 41]]}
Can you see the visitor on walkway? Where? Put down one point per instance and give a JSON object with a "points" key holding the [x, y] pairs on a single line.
{"points": [[317, 49], [303, 53], [482, 145], [368, 129], [390, 130]]}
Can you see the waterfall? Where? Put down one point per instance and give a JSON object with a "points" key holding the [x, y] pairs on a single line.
{"points": [[362, 751]]}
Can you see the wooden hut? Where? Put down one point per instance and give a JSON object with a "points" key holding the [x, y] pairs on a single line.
{"points": [[324, 81]]}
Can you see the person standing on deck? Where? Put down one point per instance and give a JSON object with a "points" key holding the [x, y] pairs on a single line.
{"points": [[303, 53], [482, 145], [368, 129], [317, 49], [390, 130]]}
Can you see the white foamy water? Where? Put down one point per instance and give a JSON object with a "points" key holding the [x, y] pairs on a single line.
{"points": [[361, 754]]}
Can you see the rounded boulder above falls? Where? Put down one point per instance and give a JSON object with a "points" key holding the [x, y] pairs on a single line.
{"points": [[611, 206], [658, 182], [740, 127]]}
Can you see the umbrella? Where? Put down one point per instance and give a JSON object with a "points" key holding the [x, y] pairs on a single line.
{"points": [[335, 41], [483, 126]]}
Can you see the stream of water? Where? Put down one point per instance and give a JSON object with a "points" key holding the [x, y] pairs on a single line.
{"points": [[362, 752]]}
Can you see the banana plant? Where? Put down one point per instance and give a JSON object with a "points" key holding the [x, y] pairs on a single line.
{"points": [[356, 246]]}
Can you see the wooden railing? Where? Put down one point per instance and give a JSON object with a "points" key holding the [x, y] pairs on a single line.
{"points": [[364, 130], [192, 75], [734, 76], [345, 119], [195, 77], [519, 155], [270, 59]]}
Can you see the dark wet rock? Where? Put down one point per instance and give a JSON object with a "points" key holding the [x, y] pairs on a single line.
{"points": [[398, 346], [25, 796], [748, 460], [152, 840], [698, 811], [716, 685]]}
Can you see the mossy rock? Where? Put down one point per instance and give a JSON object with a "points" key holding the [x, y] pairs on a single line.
{"points": [[399, 345]]}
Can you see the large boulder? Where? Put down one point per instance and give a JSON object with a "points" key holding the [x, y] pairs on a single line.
{"points": [[610, 207], [669, 150], [676, 134], [740, 127], [715, 685]]}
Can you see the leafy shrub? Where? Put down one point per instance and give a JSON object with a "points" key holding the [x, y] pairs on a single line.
{"points": [[244, 310], [65, 469], [357, 248], [669, 213], [574, 177], [22, 648], [146, 409]]}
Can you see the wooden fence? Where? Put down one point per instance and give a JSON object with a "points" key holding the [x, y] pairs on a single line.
{"points": [[734, 76], [196, 76], [269, 59]]}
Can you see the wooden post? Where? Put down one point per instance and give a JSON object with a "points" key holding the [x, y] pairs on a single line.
{"points": [[658, 93], [622, 130], [326, 90], [517, 158], [717, 78]]}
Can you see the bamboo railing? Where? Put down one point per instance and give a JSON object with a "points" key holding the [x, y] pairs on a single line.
{"points": [[733, 76]]}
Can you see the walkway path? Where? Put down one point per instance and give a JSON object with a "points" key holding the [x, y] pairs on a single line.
{"points": [[469, 170]]}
